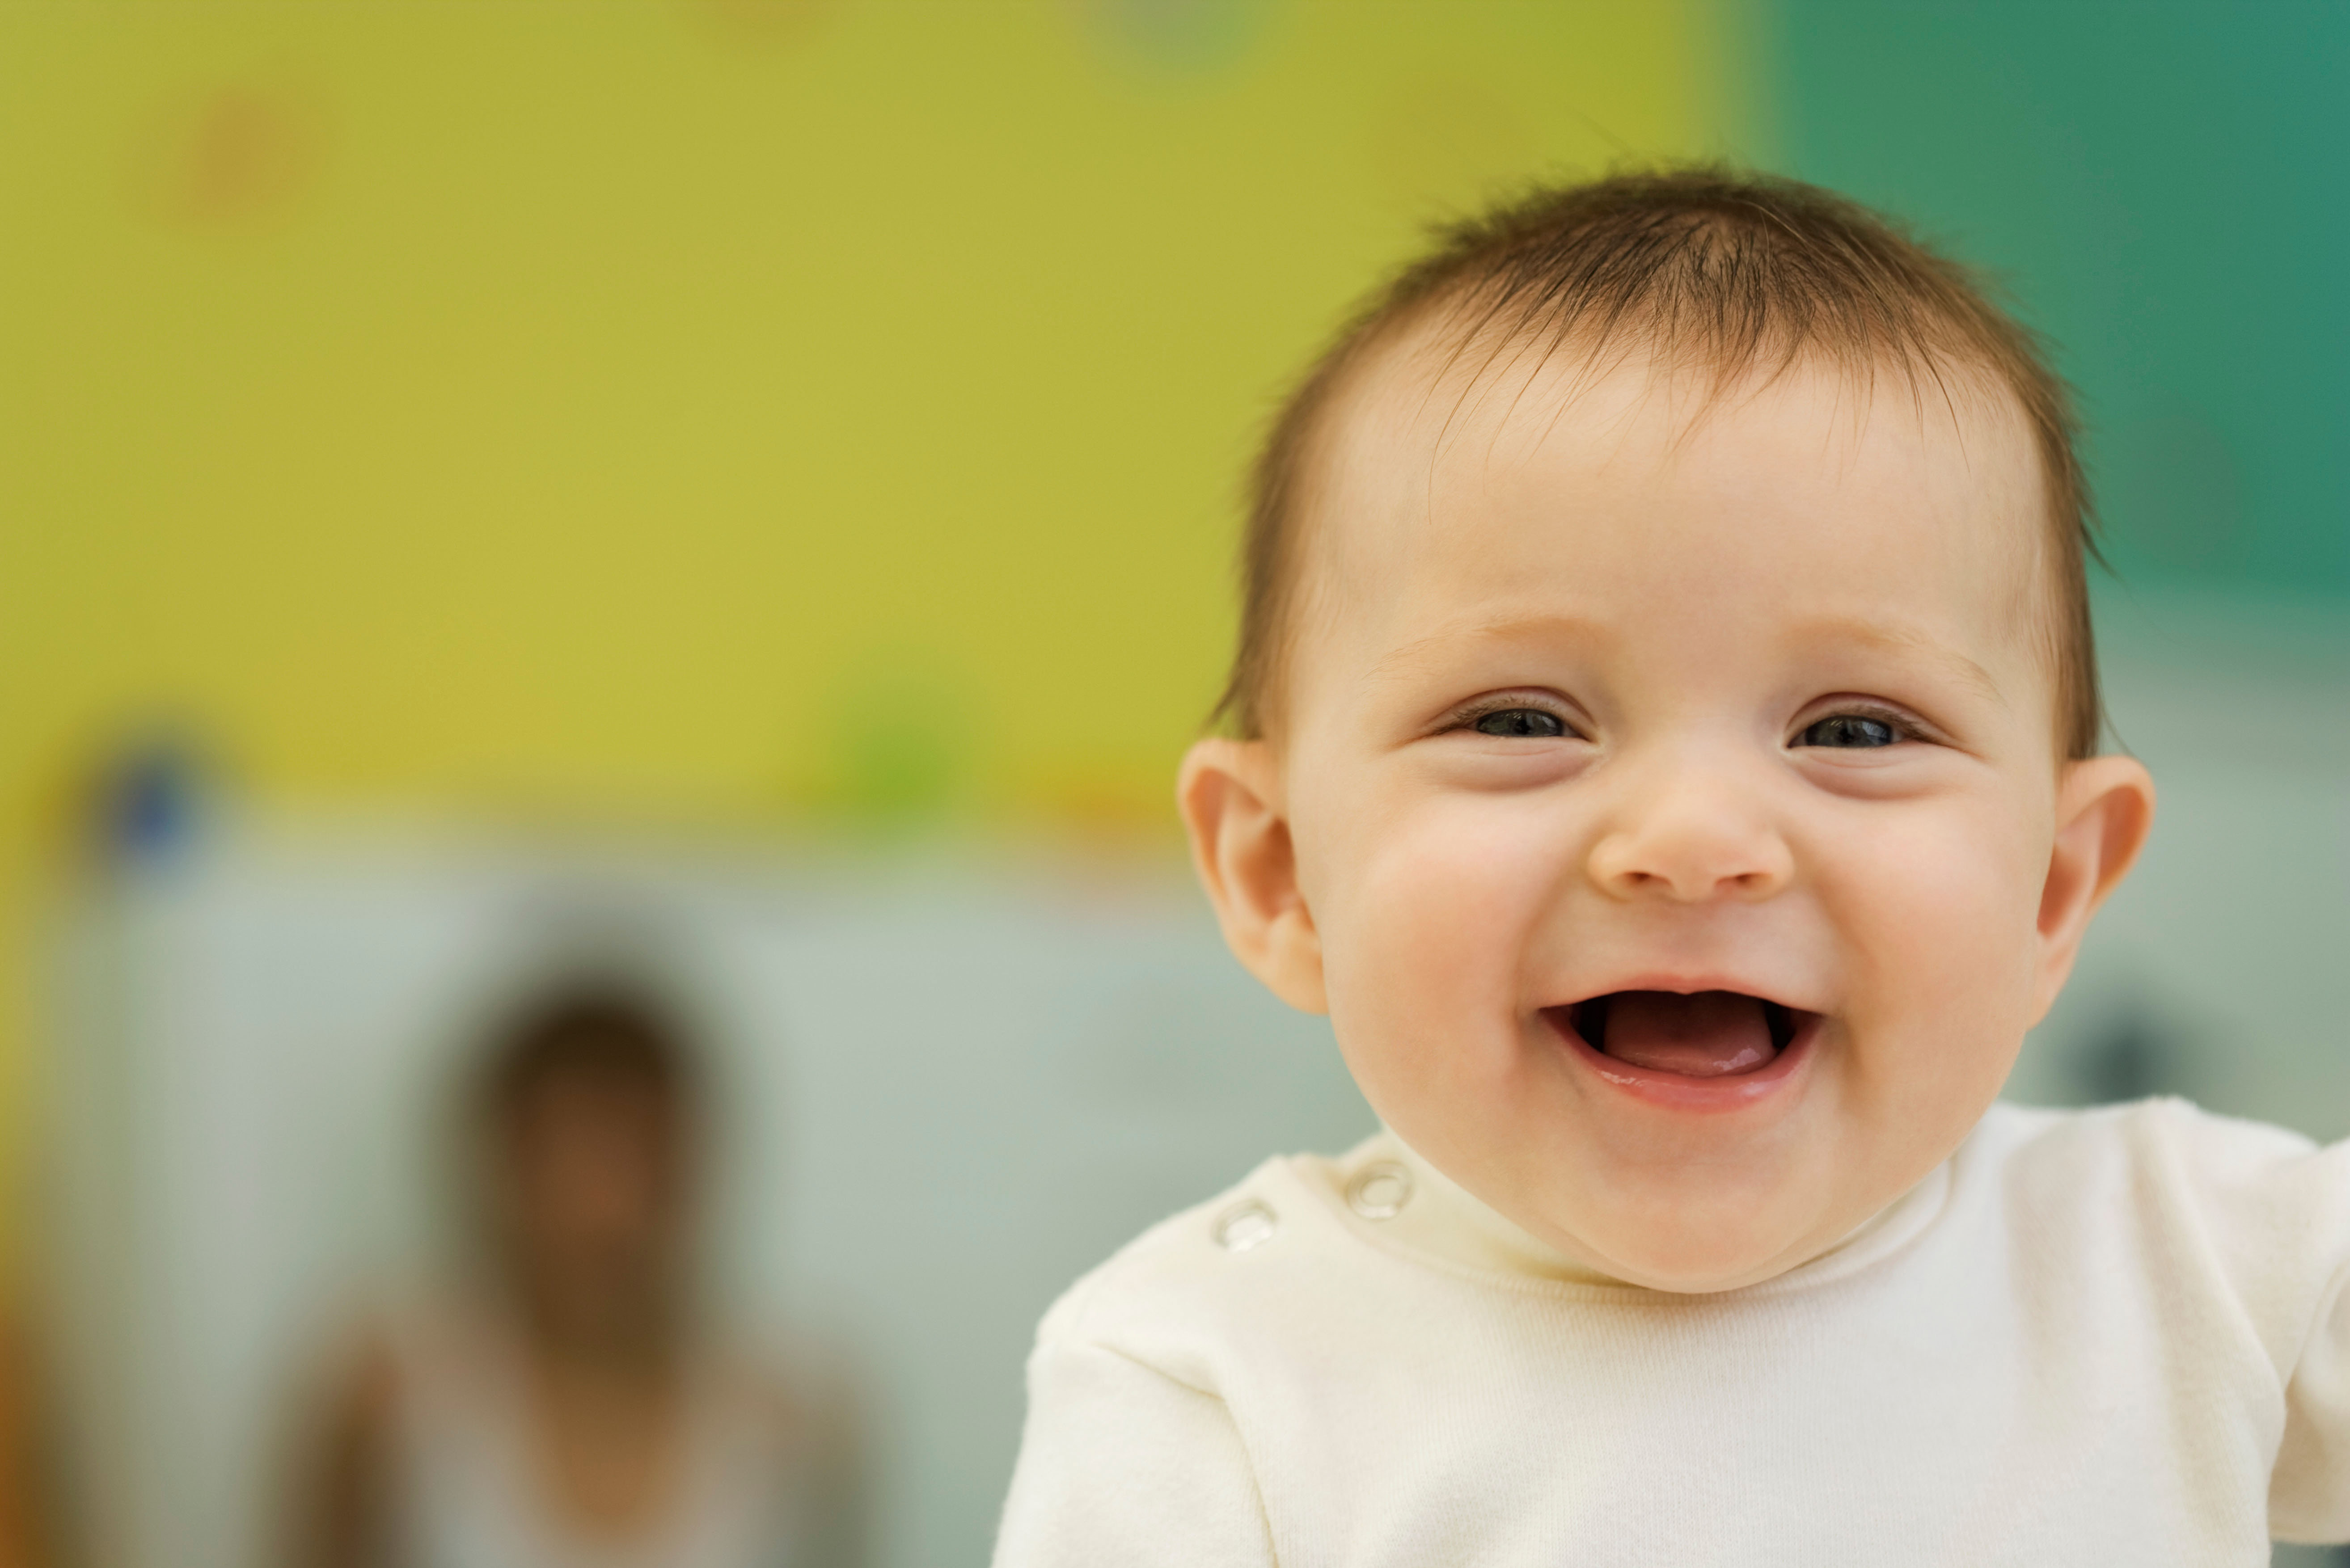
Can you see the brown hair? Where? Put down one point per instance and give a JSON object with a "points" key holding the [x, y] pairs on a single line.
{"points": [[594, 1030], [1744, 272]]}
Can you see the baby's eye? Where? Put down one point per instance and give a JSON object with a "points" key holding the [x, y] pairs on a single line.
{"points": [[1530, 723], [1851, 731]]}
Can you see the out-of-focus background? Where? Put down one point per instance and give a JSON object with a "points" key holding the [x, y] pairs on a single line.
{"points": [[737, 494]]}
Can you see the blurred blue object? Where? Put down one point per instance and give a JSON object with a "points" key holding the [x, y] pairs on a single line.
{"points": [[152, 800]]}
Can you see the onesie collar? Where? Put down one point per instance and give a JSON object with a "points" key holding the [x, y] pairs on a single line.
{"points": [[1441, 1219]]}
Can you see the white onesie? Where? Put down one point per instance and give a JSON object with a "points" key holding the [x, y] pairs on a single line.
{"points": [[2108, 1337]]}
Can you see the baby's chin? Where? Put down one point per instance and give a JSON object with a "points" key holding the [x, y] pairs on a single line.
{"points": [[1690, 1226], [1687, 1231], [1688, 1256]]}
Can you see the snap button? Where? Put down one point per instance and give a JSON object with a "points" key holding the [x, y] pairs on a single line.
{"points": [[1244, 1226], [1379, 1190]]}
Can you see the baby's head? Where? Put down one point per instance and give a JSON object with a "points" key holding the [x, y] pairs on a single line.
{"points": [[1667, 718]]}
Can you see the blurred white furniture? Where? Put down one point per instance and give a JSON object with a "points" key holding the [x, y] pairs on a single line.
{"points": [[947, 1090]]}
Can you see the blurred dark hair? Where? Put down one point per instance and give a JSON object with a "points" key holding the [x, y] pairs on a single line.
{"points": [[594, 1029]]}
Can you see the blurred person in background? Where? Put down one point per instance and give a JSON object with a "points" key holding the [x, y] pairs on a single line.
{"points": [[568, 1404]]}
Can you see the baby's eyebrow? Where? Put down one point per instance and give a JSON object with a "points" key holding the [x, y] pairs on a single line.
{"points": [[1481, 628], [1853, 632], [1906, 641]]}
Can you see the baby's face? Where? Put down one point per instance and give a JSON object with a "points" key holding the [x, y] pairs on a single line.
{"points": [[1667, 810]]}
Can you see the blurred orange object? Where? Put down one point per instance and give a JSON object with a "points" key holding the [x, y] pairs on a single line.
{"points": [[20, 1513]]}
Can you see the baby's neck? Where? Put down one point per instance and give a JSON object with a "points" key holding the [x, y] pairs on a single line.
{"points": [[1446, 1220]]}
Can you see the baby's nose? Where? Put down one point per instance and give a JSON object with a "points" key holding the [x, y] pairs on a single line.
{"points": [[1691, 838]]}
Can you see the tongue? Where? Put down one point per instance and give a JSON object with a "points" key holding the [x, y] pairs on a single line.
{"points": [[1710, 1036]]}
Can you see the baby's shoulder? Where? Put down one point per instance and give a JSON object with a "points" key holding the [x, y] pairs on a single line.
{"points": [[2156, 1148], [1232, 1268], [2176, 1190]]}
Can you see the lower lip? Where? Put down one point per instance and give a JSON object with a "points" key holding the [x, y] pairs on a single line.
{"points": [[1680, 1092]]}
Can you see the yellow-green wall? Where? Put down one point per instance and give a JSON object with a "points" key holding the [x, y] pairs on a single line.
{"points": [[720, 410]]}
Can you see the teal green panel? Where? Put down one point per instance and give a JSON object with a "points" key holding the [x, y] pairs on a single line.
{"points": [[2166, 190]]}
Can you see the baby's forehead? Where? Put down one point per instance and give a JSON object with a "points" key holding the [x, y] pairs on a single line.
{"points": [[1640, 496], [1428, 436]]}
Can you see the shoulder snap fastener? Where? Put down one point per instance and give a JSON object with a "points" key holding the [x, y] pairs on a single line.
{"points": [[1244, 1226], [1379, 1190]]}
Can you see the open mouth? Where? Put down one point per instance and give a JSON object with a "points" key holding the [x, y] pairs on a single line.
{"points": [[1704, 1034]]}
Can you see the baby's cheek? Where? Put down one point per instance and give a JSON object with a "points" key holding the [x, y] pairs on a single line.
{"points": [[1423, 951], [1945, 957]]}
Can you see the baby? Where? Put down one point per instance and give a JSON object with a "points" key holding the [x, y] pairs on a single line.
{"points": [[1665, 740]]}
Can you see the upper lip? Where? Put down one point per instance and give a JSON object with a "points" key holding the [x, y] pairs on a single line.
{"points": [[1689, 984]]}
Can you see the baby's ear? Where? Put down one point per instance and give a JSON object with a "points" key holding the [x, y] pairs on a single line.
{"points": [[1229, 793], [2103, 807]]}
